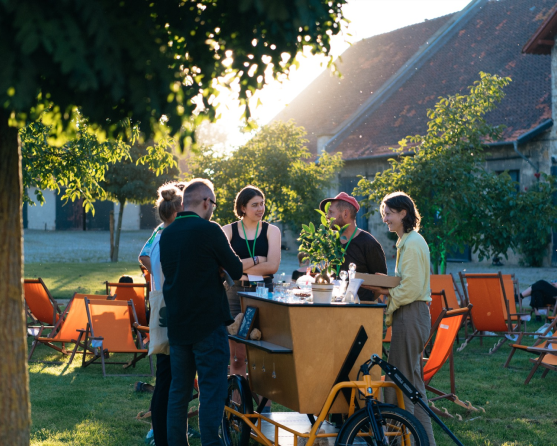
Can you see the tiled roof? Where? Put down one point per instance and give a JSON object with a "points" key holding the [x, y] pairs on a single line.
{"points": [[491, 42], [544, 38], [365, 66]]}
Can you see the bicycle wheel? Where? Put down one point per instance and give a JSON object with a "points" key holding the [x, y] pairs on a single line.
{"points": [[401, 428], [234, 431]]}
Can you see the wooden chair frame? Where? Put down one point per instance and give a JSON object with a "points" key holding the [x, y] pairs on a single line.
{"points": [[543, 352], [541, 342], [101, 353]]}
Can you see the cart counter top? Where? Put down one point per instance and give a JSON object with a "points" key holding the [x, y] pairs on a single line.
{"points": [[305, 304]]}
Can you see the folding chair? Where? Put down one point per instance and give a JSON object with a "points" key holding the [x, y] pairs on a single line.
{"points": [[486, 292], [109, 331], [136, 292], [66, 330], [547, 358], [40, 306], [541, 342], [444, 329]]}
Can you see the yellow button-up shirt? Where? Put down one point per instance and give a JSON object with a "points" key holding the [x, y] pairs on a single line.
{"points": [[412, 266]]}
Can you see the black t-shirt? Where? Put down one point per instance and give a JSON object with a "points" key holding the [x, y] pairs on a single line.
{"points": [[368, 255]]}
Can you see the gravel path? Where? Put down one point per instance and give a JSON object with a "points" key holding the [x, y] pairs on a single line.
{"points": [[94, 246]]}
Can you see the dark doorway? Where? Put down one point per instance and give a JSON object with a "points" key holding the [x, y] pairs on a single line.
{"points": [[69, 214], [347, 185], [101, 220], [148, 219]]}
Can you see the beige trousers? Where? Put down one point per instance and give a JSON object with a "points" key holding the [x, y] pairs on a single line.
{"points": [[410, 331]]}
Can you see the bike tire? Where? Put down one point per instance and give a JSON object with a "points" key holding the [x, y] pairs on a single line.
{"points": [[397, 422], [234, 431]]}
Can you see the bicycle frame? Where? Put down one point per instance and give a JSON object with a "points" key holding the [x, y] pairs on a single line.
{"points": [[369, 388]]}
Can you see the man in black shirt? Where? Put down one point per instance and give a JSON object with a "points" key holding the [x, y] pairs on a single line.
{"points": [[193, 252], [361, 247]]}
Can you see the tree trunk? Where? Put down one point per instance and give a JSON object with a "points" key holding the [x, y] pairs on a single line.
{"points": [[118, 228], [14, 379], [111, 225]]}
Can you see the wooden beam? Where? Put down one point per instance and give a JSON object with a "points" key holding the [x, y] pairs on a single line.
{"points": [[546, 42]]}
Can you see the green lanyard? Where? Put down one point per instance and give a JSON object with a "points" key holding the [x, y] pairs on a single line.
{"points": [[251, 254], [346, 249], [186, 216]]}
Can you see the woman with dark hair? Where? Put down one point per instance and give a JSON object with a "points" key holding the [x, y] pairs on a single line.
{"points": [[407, 304], [257, 243]]}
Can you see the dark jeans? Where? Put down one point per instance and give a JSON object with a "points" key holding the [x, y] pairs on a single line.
{"points": [[209, 358], [543, 293], [159, 402]]}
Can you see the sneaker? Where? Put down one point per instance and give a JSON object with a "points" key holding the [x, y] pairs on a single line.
{"points": [[150, 438], [489, 333], [513, 338]]}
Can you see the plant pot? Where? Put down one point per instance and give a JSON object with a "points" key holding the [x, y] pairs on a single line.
{"points": [[322, 293]]}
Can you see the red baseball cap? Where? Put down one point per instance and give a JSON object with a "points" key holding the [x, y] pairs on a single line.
{"points": [[343, 196]]}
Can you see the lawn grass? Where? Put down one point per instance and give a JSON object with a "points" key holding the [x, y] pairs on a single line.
{"points": [[64, 279], [71, 405]]}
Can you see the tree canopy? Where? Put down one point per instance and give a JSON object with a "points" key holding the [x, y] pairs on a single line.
{"points": [[130, 62], [277, 161], [459, 200]]}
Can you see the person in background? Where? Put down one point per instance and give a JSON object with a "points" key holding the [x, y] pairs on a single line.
{"points": [[361, 247], [543, 294], [193, 253], [169, 203], [304, 265], [257, 243], [407, 304]]}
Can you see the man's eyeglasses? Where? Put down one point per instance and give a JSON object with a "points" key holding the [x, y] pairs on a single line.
{"points": [[212, 202]]}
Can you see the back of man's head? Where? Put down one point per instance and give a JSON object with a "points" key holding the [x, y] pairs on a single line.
{"points": [[197, 191]]}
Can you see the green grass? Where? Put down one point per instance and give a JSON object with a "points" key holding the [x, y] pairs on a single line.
{"points": [[64, 279], [71, 405]]}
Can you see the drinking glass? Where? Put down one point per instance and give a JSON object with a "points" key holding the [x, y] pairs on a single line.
{"points": [[259, 289]]}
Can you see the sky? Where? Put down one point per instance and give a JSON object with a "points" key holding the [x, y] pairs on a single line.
{"points": [[367, 18]]}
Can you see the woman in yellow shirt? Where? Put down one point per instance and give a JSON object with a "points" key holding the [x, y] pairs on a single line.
{"points": [[407, 304]]}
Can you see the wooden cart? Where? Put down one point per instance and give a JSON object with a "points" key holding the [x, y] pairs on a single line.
{"points": [[307, 360]]}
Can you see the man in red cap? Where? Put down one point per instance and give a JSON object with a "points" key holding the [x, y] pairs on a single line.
{"points": [[361, 247]]}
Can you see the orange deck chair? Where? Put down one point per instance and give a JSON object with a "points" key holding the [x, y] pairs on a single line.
{"points": [[444, 332], [547, 358], [40, 306], [486, 292], [541, 342], [109, 331], [136, 292], [509, 284], [66, 331], [455, 299]]}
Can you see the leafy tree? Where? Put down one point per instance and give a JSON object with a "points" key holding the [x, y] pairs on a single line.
{"points": [[81, 163], [130, 181], [460, 202], [277, 161], [534, 214], [123, 60]]}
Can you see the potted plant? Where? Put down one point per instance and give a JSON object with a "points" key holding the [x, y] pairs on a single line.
{"points": [[324, 251]]}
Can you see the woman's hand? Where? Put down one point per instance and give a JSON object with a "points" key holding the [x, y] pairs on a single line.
{"points": [[376, 289]]}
